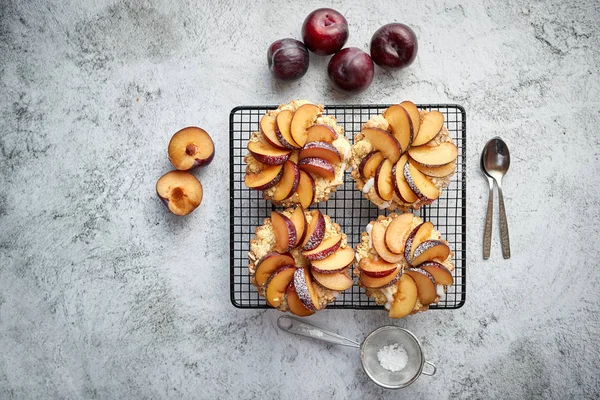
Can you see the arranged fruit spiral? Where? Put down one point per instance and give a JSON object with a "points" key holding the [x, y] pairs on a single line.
{"points": [[300, 260], [403, 158], [298, 156], [403, 263]]}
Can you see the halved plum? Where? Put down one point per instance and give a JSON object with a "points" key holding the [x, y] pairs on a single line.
{"points": [[265, 179], [327, 247], [369, 164], [180, 191], [315, 232], [267, 154], [317, 166], [278, 284], [289, 182], [336, 262], [306, 189], [270, 263], [322, 150], [303, 118], [430, 127], [191, 147], [385, 142], [285, 232], [321, 133]]}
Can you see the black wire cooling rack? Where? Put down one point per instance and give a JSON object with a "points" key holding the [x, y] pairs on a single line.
{"points": [[346, 206]]}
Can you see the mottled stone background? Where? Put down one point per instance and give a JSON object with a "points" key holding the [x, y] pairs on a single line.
{"points": [[104, 294]]}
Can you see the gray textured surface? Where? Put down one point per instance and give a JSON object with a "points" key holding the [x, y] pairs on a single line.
{"points": [[103, 294]]}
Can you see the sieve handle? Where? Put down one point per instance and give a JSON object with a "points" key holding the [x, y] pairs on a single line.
{"points": [[433, 370], [298, 327]]}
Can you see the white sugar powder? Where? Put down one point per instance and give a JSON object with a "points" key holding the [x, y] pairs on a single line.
{"points": [[392, 357]]}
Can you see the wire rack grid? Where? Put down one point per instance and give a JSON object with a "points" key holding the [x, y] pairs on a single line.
{"points": [[346, 206]]}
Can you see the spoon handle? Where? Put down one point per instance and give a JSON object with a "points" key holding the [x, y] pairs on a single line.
{"points": [[503, 226], [298, 327], [487, 234]]}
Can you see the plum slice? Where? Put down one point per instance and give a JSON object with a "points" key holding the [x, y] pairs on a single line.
{"points": [[267, 154], [401, 125], [430, 250], [180, 191], [378, 239], [385, 142], [285, 232], [369, 164], [317, 166], [383, 180], [191, 147], [289, 182], [283, 131], [321, 150], [306, 189], [426, 286], [336, 262], [397, 231], [405, 298], [265, 179], [320, 133], [305, 289], [415, 117], [299, 220], [417, 236], [268, 128], [437, 172], [381, 282], [434, 156], [315, 232], [420, 183], [401, 187], [337, 281], [327, 247], [278, 284], [440, 273], [270, 263], [303, 118], [376, 268], [296, 305], [430, 127]]}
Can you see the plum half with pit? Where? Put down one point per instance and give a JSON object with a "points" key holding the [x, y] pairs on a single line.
{"points": [[394, 46], [180, 191], [288, 59], [325, 31], [351, 70], [191, 147]]}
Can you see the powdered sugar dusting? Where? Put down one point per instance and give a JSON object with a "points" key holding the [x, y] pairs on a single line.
{"points": [[392, 357]]}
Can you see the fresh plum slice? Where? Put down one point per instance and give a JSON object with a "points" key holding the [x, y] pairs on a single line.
{"points": [[299, 220], [322, 150], [417, 236], [430, 250], [321, 133], [304, 287], [426, 286], [306, 189], [378, 239], [335, 281], [336, 262], [434, 156], [191, 147], [381, 282], [295, 304], [415, 117], [440, 273], [420, 183], [277, 285], [303, 118], [401, 125], [180, 191], [317, 166], [283, 129], [270, 263], [269, 129], [405, 298], [397, 231], [265, 179], [315, 232], [327, 247], [437, 172], [285, 232], [376, 268], [385, 142], [369, 164], [383, 180], [401, 187], [267, 154], [289, 182], [430, 127]]}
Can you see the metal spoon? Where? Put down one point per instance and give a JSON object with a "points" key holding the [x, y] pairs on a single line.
{"points": [[496, 160], [487, 234]]}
